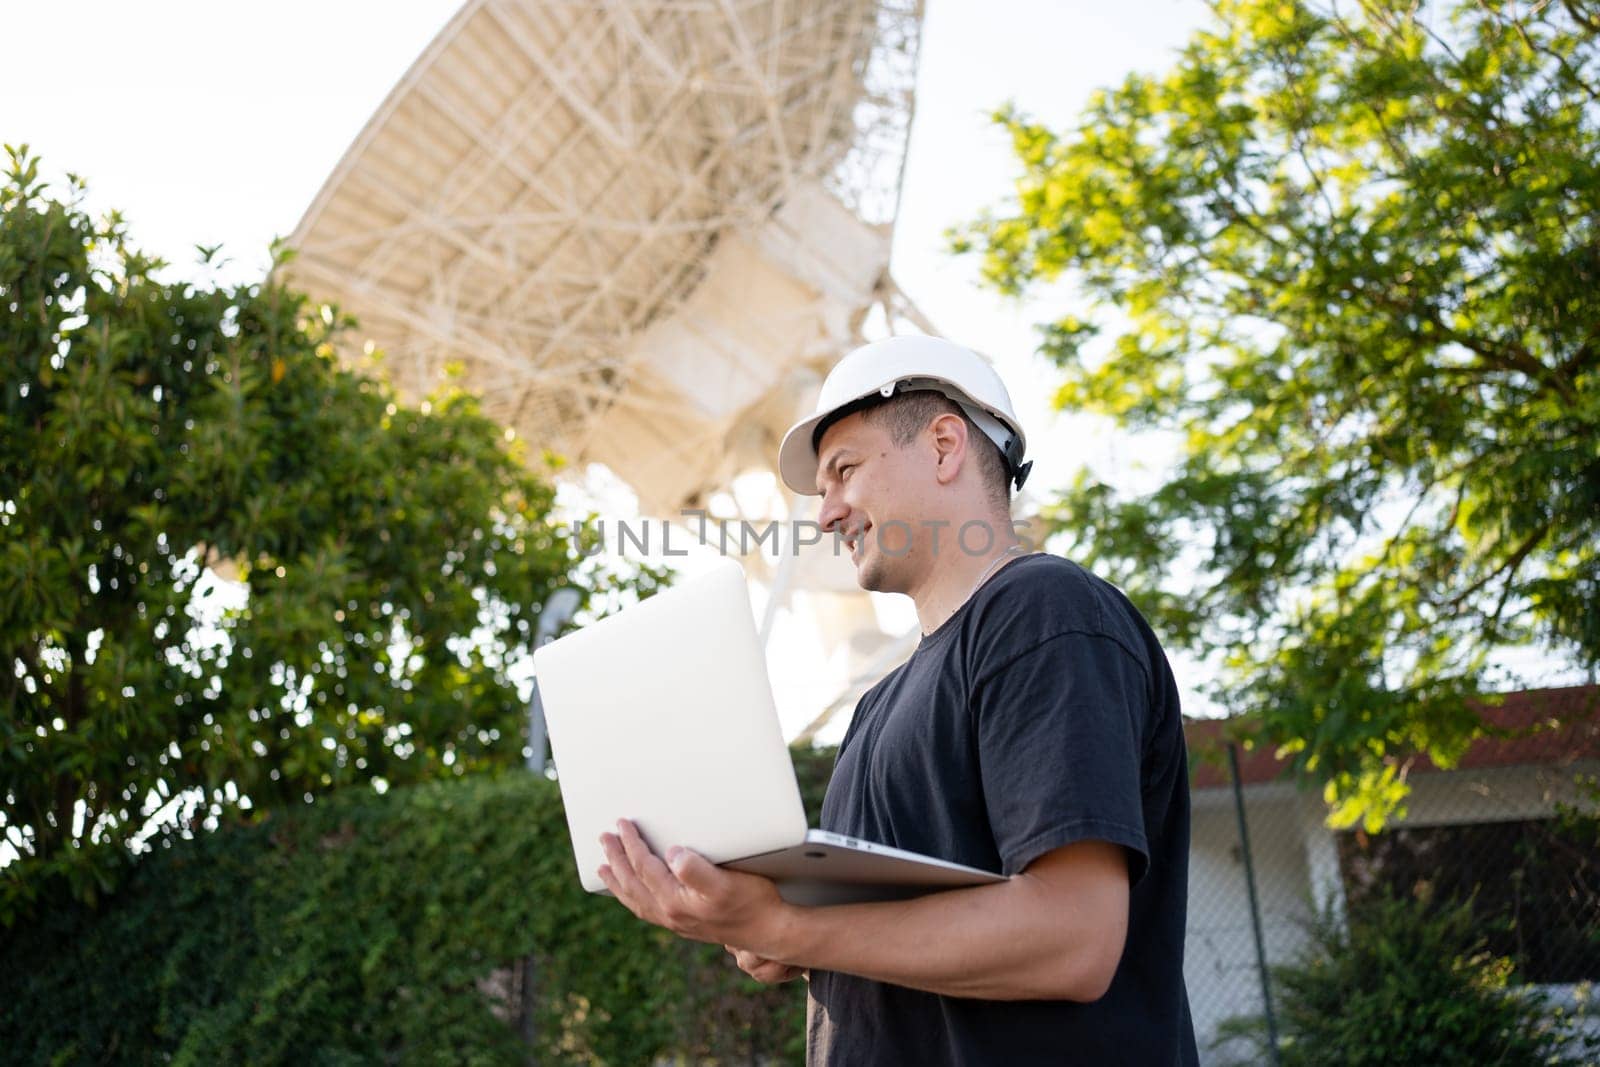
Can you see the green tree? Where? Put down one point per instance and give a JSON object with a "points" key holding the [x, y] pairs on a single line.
{"points": [[393, 557], [1351, 256]]}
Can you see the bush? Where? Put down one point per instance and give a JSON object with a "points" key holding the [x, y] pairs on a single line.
{"points": [[1403, 981], [381, 929]]}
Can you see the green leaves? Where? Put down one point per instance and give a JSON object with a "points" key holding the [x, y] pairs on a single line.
{"points": [[389, 559], [382, 927], [1351, 259], [1403, 980]]}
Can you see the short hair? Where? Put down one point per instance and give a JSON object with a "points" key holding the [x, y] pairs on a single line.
{"points": [[907, 414]]}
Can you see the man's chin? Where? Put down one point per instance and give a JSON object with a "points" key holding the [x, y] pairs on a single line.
{"points": [[871, 574]]}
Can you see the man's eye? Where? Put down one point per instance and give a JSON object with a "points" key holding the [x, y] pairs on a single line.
{"points": [[844, 471]]}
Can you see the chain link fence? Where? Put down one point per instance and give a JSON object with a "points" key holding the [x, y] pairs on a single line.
{"points": [[1511, 830]]}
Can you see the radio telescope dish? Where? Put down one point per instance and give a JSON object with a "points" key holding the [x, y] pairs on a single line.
{"points": [[641, 229]]}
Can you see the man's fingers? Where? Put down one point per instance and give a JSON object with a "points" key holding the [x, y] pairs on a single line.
{"points": [[769, 972], [695, 871], [687, 894], [628, 887], [609, 877], [646, 864]]}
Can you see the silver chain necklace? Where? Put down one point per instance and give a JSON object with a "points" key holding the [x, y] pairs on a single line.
{"points": [[990, 569]]}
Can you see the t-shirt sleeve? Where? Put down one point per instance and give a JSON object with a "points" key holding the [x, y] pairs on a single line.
{"points": [[1059, 727]]}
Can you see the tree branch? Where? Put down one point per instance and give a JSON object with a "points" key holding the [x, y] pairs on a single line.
{"points": [[1561, 61], [1510, 564], [1578, 16], [1510, 358]]}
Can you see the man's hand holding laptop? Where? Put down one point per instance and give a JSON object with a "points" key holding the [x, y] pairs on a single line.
{"points": [[694, 898]]}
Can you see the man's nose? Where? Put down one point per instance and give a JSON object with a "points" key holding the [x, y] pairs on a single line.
{"points": [[834, 511]]}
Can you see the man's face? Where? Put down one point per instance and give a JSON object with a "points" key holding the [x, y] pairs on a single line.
{"points": [[875, 494]]}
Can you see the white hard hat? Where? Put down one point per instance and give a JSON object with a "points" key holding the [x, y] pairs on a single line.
{"points": [[873, 373]]}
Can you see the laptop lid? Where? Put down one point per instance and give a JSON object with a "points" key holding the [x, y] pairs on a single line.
{"points": [[663, 713]]}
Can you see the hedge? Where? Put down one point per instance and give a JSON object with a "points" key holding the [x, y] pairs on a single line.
{"points": [[382, 929]]}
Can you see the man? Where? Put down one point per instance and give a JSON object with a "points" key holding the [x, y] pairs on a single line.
{"points": [[1034, 731]]}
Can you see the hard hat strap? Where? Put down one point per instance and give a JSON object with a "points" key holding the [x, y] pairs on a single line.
{"points": [[1009, 444]]}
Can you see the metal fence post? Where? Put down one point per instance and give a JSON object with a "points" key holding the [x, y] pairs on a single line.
{"points": [[553, 614], [557, 609], [1255, 907]]}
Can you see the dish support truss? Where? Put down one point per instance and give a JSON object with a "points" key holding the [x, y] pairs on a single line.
{"points": [[640, 231]]}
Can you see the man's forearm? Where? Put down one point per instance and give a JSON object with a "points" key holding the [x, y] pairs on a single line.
{"points": [[1055, 931], [1019, 940]]}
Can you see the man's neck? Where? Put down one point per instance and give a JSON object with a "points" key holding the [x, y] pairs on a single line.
{"points": [[956, 575]]}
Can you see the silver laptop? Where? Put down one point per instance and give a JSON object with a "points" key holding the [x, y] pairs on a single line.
{"points": [[663, 714]]}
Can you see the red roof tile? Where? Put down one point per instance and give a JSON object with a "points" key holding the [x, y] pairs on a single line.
{"points": [[1551, 727]]}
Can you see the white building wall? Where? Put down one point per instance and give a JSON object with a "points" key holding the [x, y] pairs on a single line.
{"points": [[1220, 961], [1295, 858]]}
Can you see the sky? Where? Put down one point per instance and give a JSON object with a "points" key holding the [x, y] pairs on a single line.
{"points": [[216, 123]]}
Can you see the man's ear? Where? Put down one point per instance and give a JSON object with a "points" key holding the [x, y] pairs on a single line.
{"points": [[949, 446]]}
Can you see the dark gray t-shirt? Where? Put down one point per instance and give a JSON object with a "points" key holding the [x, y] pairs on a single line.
{"points": [[1042, 712]]}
